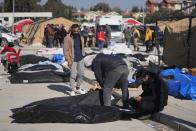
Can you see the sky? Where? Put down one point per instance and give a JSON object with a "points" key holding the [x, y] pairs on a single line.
{"points": [[123, 4]]}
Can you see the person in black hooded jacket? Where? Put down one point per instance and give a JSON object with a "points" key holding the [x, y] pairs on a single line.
{"points": [[110, 70], [154, 96]]}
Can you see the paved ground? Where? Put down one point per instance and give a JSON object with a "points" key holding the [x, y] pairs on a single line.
{"points": [[17, 95]]}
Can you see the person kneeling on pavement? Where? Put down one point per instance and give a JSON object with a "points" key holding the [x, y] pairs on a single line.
{"points": [[110, 70], [154, 96]]}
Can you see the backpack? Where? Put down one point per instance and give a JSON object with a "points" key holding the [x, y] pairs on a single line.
{"points": [[135, 34]]}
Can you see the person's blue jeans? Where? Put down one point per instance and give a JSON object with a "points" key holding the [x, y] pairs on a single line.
{"points": [[50, 43], [100, 44], [147, 43]]}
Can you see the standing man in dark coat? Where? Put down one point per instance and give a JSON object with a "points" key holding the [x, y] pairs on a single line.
{"points": [[74, 53], [62, 33], [110, 70], [46, 35]]}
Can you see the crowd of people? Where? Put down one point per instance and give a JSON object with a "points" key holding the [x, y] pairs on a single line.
{"points": [[132, 36], [89, 35], [101, 36], [54, 35]]}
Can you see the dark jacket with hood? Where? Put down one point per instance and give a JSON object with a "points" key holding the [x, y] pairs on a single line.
{"points": [[155, 90]]}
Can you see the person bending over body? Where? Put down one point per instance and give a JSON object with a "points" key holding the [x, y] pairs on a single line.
{"points": [[110, 70]]}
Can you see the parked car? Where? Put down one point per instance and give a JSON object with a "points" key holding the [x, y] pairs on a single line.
{"points": [[7, 36]]}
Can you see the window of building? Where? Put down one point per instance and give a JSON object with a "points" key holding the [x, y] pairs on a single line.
{"points": [[6, 19]]}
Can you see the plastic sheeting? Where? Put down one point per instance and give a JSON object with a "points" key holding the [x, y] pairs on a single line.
{"points": [[58, 58], [152, 58], [45, 65], [179, 84], [117, 49], [43, 72], [49, 51], [88, 60], [76, 109], [67, 114], [31, 59]]}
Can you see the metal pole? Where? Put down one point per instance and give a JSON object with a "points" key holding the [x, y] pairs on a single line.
{"points": [[156, 44], [189, 43], [13, 9], [143, 15]]}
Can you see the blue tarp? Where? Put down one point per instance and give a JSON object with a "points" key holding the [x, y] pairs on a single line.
{"points": [[58, 58], [181, 85]]}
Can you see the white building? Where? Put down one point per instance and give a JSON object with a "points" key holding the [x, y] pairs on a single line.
{"points": [[91, 15], [6, 18]]}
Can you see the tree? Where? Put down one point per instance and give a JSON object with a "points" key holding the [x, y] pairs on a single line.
{"points": [[59, 9], [82, 9], [117, 9], [22, 5], [56, 6], [141, 9], [135, 9], [101, 7]]}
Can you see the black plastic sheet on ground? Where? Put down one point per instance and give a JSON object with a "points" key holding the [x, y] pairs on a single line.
{"points": [[31, 59], [39, 77], [76, 109], [67, 114], [40, 73]]}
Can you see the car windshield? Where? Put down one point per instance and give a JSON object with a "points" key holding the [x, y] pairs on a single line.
{"points": [[4, 30], [115, 27]]}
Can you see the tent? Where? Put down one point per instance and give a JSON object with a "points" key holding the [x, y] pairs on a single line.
{"points": [[131, 21], [176, 48], [35, 32], [24, 28], [18, 26]]}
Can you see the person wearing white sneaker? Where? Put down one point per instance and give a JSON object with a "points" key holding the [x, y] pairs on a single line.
{"points": [[74, 53], [72, 93], [79, 91]]}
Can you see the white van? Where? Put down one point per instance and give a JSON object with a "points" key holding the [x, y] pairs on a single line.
{"points": [[115, 22]]}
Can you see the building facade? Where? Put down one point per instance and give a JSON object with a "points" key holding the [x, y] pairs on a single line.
{"points": [[155, 5], [152, 6], [171, 4], [6, 18], [91, 16]]}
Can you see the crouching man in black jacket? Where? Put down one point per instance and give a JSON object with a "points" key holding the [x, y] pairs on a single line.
{"points": [[154, 96], [110, 70]]}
